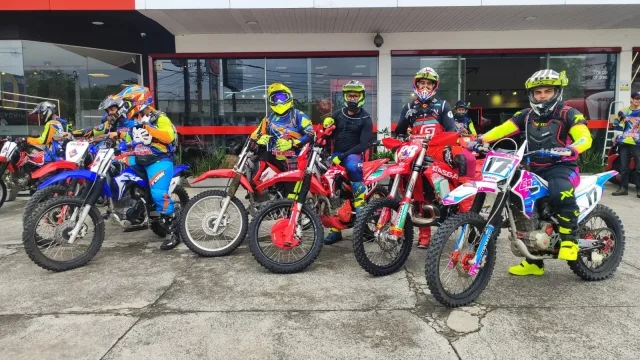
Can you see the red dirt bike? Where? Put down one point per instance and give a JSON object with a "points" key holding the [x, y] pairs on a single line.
{"points": [[23, 167], [324, 198], [215, 222], [388, 222]]}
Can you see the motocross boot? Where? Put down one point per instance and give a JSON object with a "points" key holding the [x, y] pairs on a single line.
{"points": [[621, 191], [358, 189], [424, 238], [528, 267], [334, 236], [172, 238]]}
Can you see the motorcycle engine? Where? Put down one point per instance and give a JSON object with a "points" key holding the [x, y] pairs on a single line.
{"points": [[20, 179], [130, 209], [541, 239]]}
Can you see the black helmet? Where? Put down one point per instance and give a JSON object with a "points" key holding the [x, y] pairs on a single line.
{"points": [[460, 104], [46, 109]]}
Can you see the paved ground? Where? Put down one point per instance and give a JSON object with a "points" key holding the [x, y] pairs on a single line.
{"points": [[135, 302]]}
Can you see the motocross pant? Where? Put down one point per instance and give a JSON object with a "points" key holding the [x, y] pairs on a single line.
{"points": [[353, 165], [563, 180], [159, 175]]}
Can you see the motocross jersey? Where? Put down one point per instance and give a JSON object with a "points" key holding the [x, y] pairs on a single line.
{"points": [[297, 128], [566, 126], [102, 128], [51, 129], [353, 133], [465, 124], [630, 126], [426, 119], [164, 134]]}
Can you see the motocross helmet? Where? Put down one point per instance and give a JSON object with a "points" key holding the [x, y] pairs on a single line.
{"points": [[428, 74], [136, 98], [46, 109], [351, 87], [280, 98], [546, 78], [461, 104]]}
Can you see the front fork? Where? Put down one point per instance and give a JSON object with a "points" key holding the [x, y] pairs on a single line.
{"points": [[397, 222], [385, 213], [494, 221], [231, 192], [91, 200]]}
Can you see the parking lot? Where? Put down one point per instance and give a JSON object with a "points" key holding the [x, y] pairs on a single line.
{"points": [[134, 301]]}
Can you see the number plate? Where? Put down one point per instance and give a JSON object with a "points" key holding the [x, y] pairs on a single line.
{"points": [[498, 166]]}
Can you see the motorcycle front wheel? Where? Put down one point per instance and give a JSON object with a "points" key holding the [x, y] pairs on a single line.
{"points": [[197, 224], [3, 192], [445, 267], [46, 235], [268, 224]]}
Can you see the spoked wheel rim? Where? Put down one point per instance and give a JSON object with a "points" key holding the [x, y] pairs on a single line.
{"points": [[201, 219], [596, 228], [53, 229], [454, 266], [304, 236], [377, 245]]}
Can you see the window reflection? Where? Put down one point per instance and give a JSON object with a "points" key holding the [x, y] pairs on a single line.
{"points": [[218, 102]]}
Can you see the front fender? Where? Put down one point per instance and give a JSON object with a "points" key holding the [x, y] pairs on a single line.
{"points": [[288, 176], [87, 175], [53, 167], [467, 190], [224, 173]]}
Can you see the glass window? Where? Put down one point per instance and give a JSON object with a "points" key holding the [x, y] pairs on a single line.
{"points": [[592, 81], [76, 78], [232, 95]]}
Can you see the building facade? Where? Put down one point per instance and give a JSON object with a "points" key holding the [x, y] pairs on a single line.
{"points": [[226, 52]]}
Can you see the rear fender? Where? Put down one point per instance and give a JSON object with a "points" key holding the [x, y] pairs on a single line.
{"points": [[224, 173], [467, 190], [85, 175], [54, 167]]}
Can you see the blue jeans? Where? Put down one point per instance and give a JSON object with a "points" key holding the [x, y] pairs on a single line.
{"points": [[159, 175]]}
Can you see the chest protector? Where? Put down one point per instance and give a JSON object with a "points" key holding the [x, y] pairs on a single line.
{"points": [[427, 119], [546, 134]]}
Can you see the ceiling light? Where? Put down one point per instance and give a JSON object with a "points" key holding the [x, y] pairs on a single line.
{"points": [[487, 93], [243, 95], [356, 74], [319, 75], [98, 75], [285, 75], [99, 23], [252, 23], [530, 18], [3, 73], [321, 67], [281, 68], [248, 75], [514, 93], [35, 73]]}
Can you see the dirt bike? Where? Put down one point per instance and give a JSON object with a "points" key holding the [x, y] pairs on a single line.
{"points": [[201, 221], [388, 222], [23, 166], [613, 163], [323, 197], [130, 206], [79, 154], [523, 196]]}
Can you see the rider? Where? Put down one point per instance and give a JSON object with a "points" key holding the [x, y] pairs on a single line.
{"points": [[427, 116], [629, 144], [54, 125], [352, 136], [112, 119], [154, 141], [285, 130], [463, 123], [549, 123]]}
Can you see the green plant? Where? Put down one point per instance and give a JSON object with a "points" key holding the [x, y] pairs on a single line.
{"points": [[591, 162], [385, 154], [208, 162]]}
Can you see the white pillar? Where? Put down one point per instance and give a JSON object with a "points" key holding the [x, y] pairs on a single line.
{"points": [[384, 90], [624, 74]]}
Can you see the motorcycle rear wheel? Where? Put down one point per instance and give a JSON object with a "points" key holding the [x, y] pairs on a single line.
{"points": [[3, 192]]}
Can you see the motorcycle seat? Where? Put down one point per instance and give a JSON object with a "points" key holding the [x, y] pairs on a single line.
{"points": [[586, 182]]}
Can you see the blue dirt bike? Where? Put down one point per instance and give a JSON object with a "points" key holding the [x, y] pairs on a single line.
{"points": [[72, 227]]}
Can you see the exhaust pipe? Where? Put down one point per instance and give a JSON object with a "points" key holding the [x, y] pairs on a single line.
{"points": [[429, 220]]}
